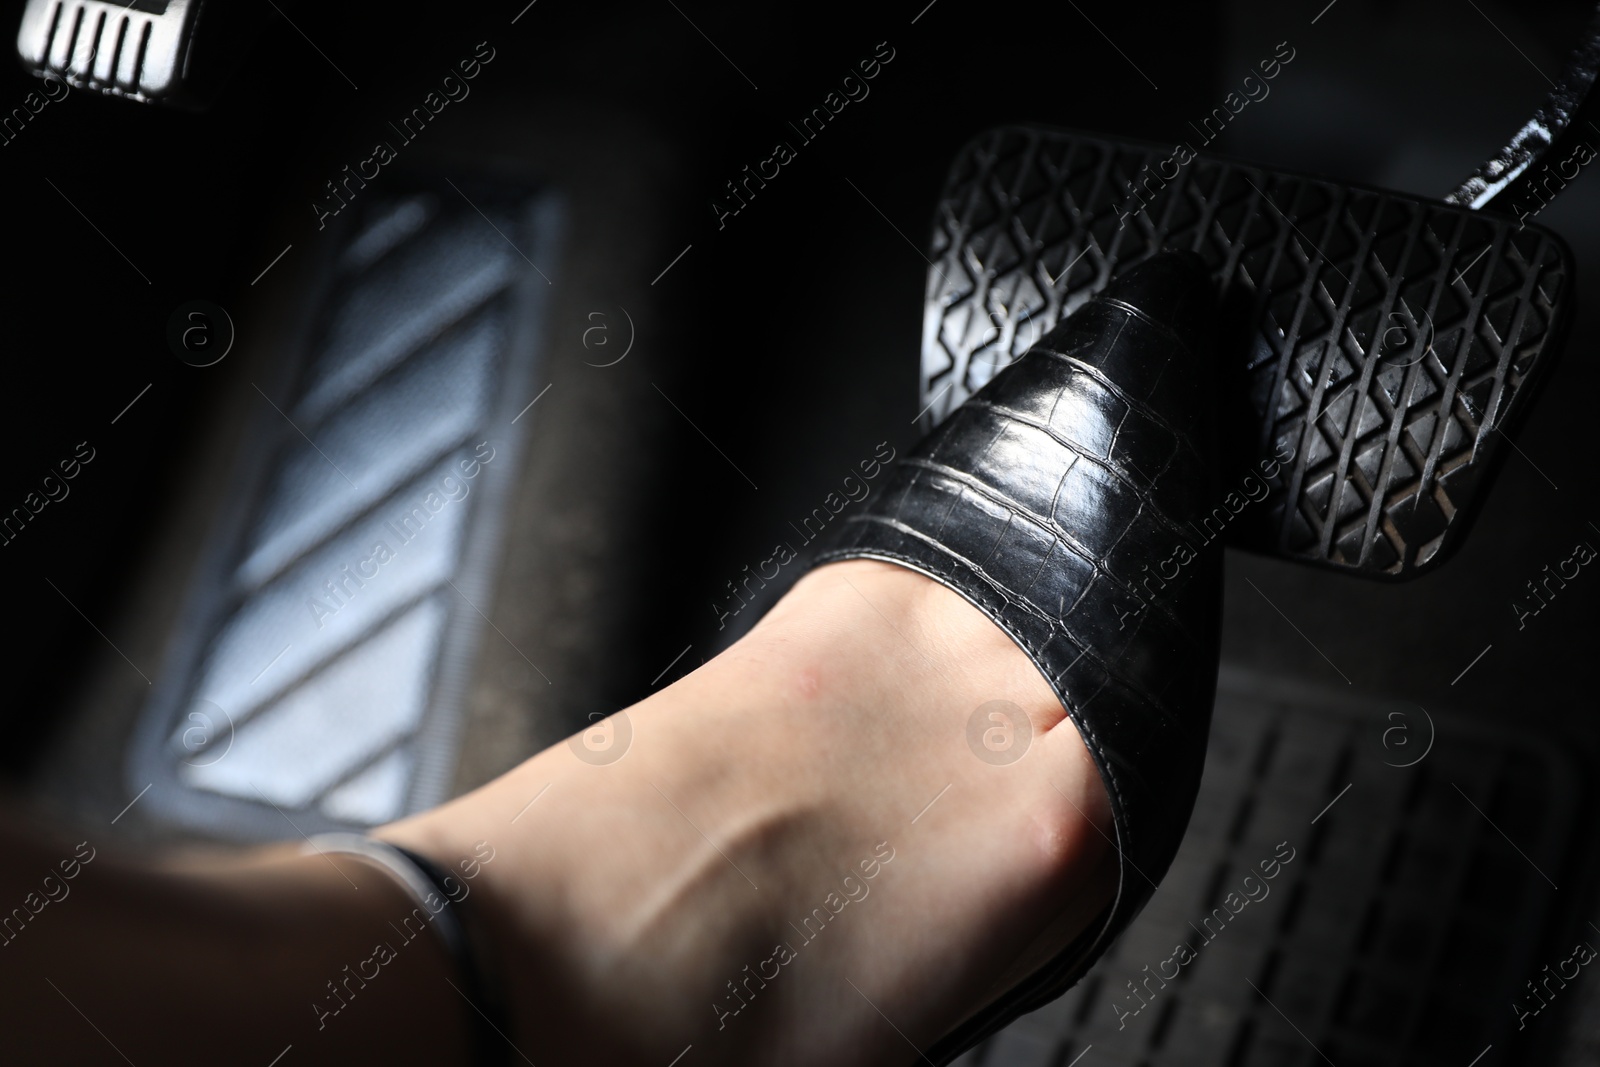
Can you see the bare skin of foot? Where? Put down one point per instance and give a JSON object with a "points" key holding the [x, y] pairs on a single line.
{"points": [[800, 859]]}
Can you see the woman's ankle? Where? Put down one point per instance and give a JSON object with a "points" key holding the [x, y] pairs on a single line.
{"points": [[840, 730]]}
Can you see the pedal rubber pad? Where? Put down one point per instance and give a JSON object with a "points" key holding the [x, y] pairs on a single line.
{"points": [[1375, 344]]}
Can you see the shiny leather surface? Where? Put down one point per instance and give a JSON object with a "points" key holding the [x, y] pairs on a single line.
{"points": [[1059, 499]]}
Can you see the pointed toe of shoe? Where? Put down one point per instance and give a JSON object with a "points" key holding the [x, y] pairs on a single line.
{"points": [[1060, 499]]}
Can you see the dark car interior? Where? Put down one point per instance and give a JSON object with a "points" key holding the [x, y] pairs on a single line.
{"points": [[398, 390]]}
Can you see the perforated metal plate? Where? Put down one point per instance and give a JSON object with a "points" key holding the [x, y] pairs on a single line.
{"points": [[1380, 341], [1400, 932], [321, 665]]}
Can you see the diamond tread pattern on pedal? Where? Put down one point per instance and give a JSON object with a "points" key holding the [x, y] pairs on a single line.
{"points": [[1339, 289]]}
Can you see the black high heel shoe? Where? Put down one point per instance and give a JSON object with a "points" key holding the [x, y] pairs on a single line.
{"points": [[1059, 499]]}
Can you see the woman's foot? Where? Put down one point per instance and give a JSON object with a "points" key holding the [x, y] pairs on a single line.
{"points": [[835, 841]]}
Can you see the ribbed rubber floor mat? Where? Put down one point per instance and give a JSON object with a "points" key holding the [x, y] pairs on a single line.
{"points": [[1331, 908], [324, 653]]}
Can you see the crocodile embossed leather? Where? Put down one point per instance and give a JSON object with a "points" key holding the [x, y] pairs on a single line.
{"points": [[1060, 500]]}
